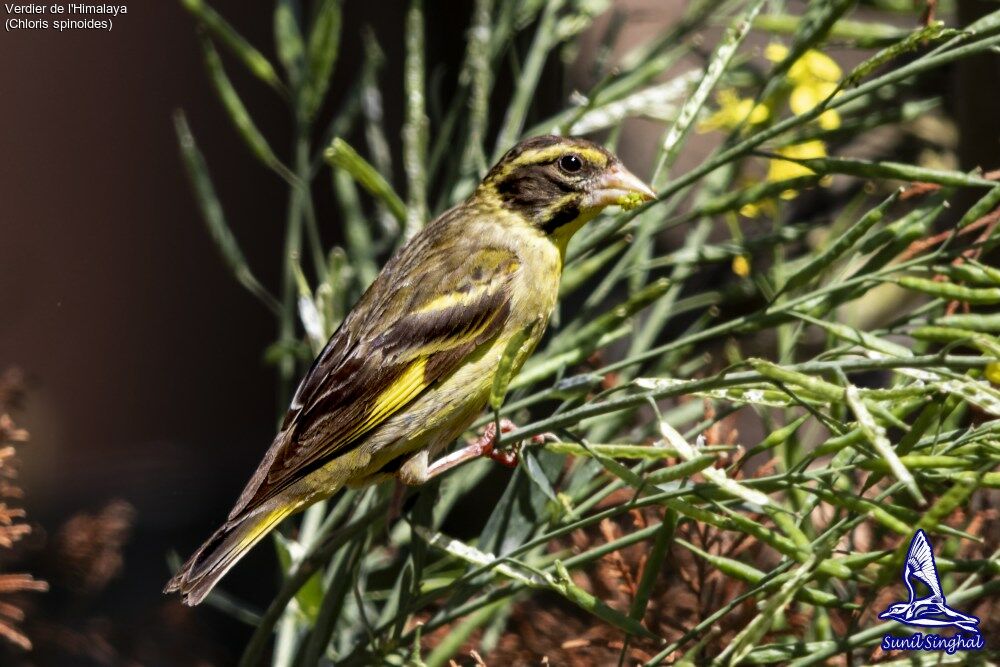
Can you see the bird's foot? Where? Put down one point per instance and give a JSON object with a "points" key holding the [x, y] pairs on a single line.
{"points": [[485, 445]]}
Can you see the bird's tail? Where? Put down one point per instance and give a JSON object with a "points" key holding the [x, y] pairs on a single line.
{"points": [[221, 551]]}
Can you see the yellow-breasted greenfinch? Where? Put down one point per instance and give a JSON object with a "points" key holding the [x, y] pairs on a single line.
{"points": [[412, 365]]}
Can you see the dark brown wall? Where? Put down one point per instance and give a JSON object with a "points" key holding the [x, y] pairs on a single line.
{"points": [[144, 357]]}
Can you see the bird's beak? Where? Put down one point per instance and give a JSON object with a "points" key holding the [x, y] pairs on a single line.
{"points": [[619, 186]]}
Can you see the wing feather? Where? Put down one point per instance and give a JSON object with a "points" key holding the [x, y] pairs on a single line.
{"points": [[920, 560], [386, 354]]}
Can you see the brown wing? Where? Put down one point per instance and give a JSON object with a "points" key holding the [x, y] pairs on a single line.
{"points": [[403, 335]]}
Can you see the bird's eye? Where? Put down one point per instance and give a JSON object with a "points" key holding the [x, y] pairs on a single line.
{"points": [[570, 163]]}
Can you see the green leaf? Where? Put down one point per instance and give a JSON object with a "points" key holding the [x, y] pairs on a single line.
{"points": [[537, 475], [988, 323], [985, 205], [614, 450], [717, 66], [215, 220], [985, 25], [754, 631], [714, 475], [520, 509], [680, 470], [617, 469], [841, 245], [238, 113], [788, 376], [862, 338], [875, 434], [322, 50], [288, 40], [342, 155], [513, 354], [779, 436], [654, 563], [590, 603], [252, 59], [915, 40], [543, 365], [748, 573], [863, 34], [887, 170], [951, 291], [561, 583], [588, 334], [983, 342], [580, 272]]}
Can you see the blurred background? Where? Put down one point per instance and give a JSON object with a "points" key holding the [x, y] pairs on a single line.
{"points": [[140, 370]]}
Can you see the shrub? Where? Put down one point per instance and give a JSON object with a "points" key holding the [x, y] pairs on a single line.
{"points": [[750, 418]]}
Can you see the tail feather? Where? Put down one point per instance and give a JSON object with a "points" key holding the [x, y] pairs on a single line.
{"points": [[222, 551]]}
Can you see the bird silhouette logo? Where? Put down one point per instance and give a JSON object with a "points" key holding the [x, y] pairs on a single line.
{"points": [[930, 610]]}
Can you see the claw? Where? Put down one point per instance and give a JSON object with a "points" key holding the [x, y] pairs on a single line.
{"points": [[505, 457], [508, 457], [488, 440]]}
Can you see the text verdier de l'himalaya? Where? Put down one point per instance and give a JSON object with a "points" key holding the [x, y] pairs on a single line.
{"points": [[66, 8]]}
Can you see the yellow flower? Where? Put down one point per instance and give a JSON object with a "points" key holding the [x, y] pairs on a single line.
{"points": [[762, 207], [806, 96], [814, 78], [733, 111], [780, 170], [992, 372], [776, 52], [812, 66], [741, 266], [829, 119]]}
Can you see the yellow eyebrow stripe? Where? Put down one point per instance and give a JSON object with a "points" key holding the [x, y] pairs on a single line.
{"points": [[551, 153]]}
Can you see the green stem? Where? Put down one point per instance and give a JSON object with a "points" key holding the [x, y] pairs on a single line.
{"points": [[571, 417], [527, 82], [416, 127]]}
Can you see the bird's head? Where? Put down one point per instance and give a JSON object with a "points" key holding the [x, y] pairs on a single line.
{"points": [[556, 184], [894, 610]]}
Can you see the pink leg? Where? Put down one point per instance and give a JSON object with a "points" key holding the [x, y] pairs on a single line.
{"points": [[417, 471], [483, 446]]}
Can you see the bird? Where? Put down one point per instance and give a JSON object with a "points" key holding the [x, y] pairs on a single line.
{"points": [[931, 610], [412, 364]]}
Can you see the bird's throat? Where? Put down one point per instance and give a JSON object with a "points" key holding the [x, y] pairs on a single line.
{"points": [[562, 234]]}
